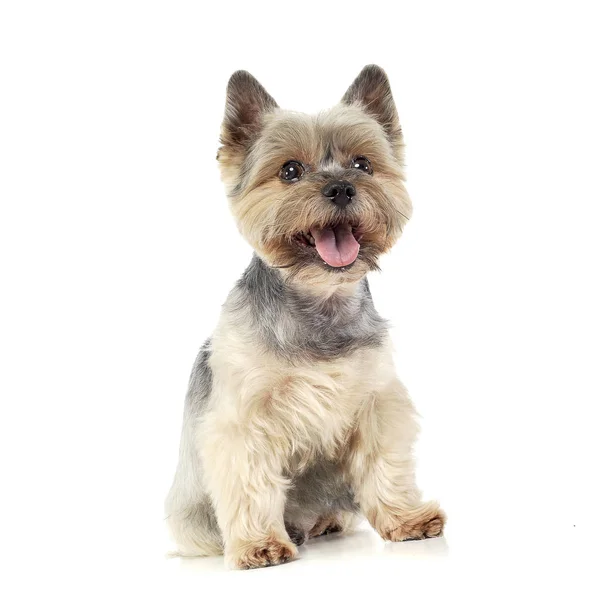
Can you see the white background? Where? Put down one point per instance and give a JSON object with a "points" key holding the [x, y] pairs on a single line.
{"points": [[117, 251]]}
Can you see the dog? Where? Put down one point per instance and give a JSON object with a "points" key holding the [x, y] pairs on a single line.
{"points": [[295, 422]]}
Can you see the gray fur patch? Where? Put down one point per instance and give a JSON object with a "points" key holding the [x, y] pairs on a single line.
{"points": [[320, 490], [327, 158], [200, 383], [302, 326], [187, 491]]}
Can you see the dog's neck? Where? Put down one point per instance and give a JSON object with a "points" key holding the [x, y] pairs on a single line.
{"points": [[293, 320]]}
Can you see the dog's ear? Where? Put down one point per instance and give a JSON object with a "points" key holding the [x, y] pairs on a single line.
{"points": [[246, 104], [372, 92]]}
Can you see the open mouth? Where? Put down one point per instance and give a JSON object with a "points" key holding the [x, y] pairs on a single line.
{"points": [[337, 245]]}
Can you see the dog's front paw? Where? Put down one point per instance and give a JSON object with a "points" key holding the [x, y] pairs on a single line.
{"points": [[425, 521], [252, 555]]}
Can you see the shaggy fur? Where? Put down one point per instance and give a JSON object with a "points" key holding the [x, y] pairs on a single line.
{"points": [[295, 422]]}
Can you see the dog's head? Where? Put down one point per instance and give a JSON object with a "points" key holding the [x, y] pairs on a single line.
{"points": [[320, 197]]}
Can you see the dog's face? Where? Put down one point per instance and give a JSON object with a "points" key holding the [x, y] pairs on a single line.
{"points": [[320, 197]]}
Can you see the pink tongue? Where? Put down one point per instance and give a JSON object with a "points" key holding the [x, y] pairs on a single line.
{"points": [[336, 245]]}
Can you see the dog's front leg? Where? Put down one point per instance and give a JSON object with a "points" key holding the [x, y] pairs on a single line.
{"points": [[244, 473], [381, 469]]}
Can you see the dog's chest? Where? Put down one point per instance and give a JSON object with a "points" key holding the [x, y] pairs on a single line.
{"points": [[315, 402]]}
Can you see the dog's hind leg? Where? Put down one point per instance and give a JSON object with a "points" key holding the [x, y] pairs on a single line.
{"points": [[335, 522], [196, 531], [189, 511]]}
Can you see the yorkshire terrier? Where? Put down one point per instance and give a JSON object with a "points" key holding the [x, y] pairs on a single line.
{"points": [[295, 422]]}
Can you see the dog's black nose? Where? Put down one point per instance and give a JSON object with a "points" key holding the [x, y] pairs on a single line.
{"points": [[341, 192]]}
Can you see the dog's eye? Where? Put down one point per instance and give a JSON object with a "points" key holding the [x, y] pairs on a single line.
{"points": [[362, 163], [291, 171]]}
